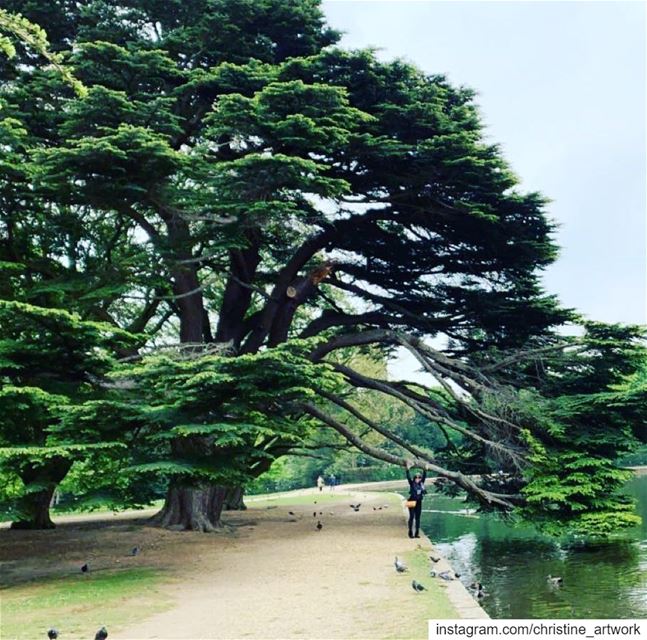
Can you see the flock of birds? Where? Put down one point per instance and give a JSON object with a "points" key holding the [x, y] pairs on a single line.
{"points": [[446, 575], [477, 588], [102, 634], [317, 515]]}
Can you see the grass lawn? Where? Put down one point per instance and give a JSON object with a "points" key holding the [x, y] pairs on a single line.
{"points": [[78, 606]]}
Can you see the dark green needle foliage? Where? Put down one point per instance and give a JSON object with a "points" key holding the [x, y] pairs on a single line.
{"points": [[219, 179], [51, 361]]}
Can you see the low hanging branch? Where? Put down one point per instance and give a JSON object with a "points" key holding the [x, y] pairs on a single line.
{"points": [[376, 427], [428, 409], [502, 501]]}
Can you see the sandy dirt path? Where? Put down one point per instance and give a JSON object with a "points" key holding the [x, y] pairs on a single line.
{"points": [[270, 575], [284, 579]]}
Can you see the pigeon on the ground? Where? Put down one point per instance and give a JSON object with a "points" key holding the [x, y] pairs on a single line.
{"points": [[555, 580], [291, 513], [417, 587], [85, 568], [399, 566], [434, 559], [52, 634], [356, 506], [134, 551], [314, 514], [445, 575], [102, 634], [319, 525]]}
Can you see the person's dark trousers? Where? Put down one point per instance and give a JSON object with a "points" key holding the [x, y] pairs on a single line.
{"points": [[414, 515]]}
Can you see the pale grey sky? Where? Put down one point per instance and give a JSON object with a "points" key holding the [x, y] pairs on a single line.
{"points": [[562, 88]]}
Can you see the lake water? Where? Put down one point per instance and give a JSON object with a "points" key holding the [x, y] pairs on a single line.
{"points": [[600, 581]]}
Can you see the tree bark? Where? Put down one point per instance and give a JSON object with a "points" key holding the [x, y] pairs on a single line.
{"points": [[186, 284], [234, 499], [34, 505], [192, 508], [188, 298], [296, 294], [238, 291]]}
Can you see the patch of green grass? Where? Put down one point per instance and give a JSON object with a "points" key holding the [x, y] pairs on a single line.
{"points": [[435, 601], [431, 604], [75, 510], [78, 606]]}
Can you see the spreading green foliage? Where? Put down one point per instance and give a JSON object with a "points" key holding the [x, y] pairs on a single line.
{"points": [[210, 418], [51, 362], [34, 36], [222, 183], [576, 427]]}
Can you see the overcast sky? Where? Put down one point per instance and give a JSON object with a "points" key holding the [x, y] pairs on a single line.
{"points": [[561, 86]]}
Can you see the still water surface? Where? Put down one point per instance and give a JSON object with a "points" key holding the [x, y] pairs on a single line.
{"points": [[512, 562]]}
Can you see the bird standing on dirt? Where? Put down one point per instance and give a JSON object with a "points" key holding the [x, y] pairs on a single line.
{"points": [[399, 566], [135, 551], [85, 568], [52, 634], [319, 525], [291, 513], [102, 634], [445, 575], [417, 587], [314, 514], [434, 559]]}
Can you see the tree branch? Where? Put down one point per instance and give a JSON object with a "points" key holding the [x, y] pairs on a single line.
{"points": [[484, 497]]}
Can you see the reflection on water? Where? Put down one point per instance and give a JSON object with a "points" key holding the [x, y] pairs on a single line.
{"points": [[512, 562]]}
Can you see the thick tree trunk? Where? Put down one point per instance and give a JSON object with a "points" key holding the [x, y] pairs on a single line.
{"points": [[238, 291], [195, 506], [35, 508], [34, 505], [234, 499], [186, 284], [192, 508], [186, 287]]}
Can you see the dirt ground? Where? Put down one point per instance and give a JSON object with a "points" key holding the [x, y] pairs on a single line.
{"points": [[272, 575]]}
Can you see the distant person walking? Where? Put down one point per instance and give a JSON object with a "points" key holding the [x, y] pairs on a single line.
{"points": [[416, 494], [332, 481], [320, 483]]}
